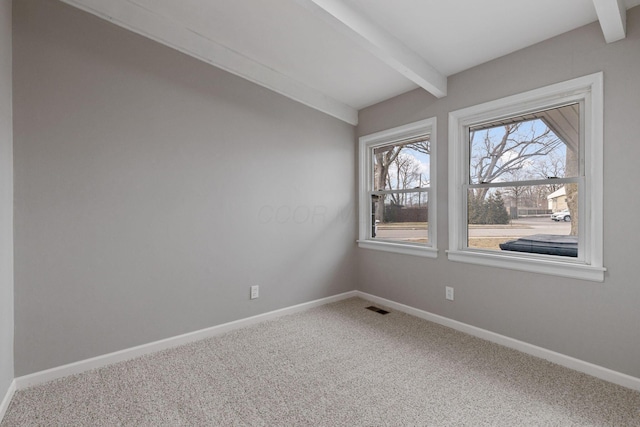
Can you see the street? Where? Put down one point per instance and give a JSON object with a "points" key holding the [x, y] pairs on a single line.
{"points": [[518, 228]]}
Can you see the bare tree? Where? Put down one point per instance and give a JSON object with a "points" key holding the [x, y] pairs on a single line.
{"points": [[551, 166], [385, 157], [572, 189], [496, 153], [407, 172], [517, 191]]}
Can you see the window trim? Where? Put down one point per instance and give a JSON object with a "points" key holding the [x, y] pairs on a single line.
{"points": [[388, 136], [589, 91]]}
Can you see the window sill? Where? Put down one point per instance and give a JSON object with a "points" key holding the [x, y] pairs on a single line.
{"points": [[534, 265], [399, 248]]}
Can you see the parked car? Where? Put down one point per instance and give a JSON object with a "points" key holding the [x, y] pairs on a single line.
{"points": [[561, 216]]}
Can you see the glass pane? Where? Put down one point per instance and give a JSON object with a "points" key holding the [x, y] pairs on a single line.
{"points": [[538, 145], [536, 219], [400, 217], [403, 165]]}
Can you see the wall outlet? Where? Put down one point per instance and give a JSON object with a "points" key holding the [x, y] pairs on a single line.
{"points": [[255, 292], [448, 293]]}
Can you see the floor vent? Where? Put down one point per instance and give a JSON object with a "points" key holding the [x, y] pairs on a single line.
{"points": [[377, 310]]}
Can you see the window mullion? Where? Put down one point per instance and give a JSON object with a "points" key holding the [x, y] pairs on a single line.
{"points": [[525, 183], [400, 191]]}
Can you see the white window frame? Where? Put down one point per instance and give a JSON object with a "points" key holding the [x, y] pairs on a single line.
{"points": [[389, 136], [588, 91]]}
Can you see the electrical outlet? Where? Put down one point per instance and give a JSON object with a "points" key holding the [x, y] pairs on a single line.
{"points": [[255, 292], [449, 293]]}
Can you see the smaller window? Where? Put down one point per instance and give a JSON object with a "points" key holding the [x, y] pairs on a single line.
{"points": [[397, 196]]}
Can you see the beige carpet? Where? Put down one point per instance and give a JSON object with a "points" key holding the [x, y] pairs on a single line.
{"points": [[336, 365]]}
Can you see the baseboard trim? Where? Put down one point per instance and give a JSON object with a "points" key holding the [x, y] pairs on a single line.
{"points": [[597, 371], [36, 378], [7, 399], [133, 352]]}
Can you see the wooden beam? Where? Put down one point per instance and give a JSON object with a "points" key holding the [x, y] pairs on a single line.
{"points": [[167, 31], [612, 15], [380, 43]]}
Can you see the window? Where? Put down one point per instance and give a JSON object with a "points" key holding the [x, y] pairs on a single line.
{"points": [[525, 181], [397, 196]]}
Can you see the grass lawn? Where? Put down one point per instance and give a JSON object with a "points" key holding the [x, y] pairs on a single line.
{"points": [[477, 243], [487, 242]]}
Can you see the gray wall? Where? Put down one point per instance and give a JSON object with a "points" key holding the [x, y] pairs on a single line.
{"points": [[6, 202], [152, 190], [595, 322]]}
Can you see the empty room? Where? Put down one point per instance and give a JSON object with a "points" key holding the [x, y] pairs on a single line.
{"points": [[319, 212]]}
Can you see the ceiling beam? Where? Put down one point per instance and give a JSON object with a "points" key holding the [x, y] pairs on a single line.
{"points": [[167, 31], [612, 15], [380, 43]]}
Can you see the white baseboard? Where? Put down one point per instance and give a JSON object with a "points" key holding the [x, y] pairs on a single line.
{"points": [[108, 359], [7, 399], [558, 358], [130, 353]]}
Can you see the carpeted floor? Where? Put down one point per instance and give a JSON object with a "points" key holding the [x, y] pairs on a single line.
{"points": [[336, 365]]}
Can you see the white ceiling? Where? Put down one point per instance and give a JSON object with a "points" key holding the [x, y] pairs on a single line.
{"points": [[339, 56]]}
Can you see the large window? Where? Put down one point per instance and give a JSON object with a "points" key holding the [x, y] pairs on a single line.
{"points": [[526, 181], [397, 199]]}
